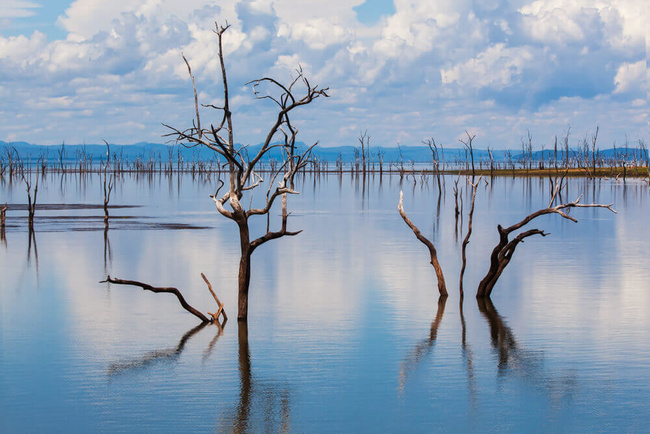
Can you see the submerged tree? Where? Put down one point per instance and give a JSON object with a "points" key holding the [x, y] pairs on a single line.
{"points": [[442, 287], [243, 173], [505, 249]]}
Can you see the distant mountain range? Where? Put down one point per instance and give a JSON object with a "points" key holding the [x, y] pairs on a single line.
{"points": [[156, 151]]}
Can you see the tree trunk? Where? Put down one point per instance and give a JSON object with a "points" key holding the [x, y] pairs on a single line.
{"points": [[244, 282], [244, 270]]}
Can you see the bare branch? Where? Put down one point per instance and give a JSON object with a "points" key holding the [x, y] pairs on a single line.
{"points": [[502, 253], [442, 288], [170, 290]]}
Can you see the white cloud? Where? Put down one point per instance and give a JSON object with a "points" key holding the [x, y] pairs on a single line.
{"points": [[17, 9], [632, 77], [316, 33], [19, 50], [442, 60], [496, 67]]}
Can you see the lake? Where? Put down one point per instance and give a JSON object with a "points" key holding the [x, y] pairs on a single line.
{"points": [[345, 330]]}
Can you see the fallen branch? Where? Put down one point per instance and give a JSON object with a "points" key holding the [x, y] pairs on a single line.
{"points": [[170, 290]]}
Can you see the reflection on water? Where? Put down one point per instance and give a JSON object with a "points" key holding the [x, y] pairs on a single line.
{"points": [[152, 357], [344, 332], [424, 347], [262, 407]]}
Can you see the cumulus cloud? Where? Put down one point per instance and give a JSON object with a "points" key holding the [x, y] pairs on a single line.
{"points": [[428, 67], [496, 67], [632, 78]]}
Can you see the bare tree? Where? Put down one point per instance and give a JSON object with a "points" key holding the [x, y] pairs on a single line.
{"points": [[243, 177], [108, 185], [364, 140], [435, 161], [593, 151], [3, 212], [442, 287], [505, 249], [31, 204], [468, 145], [469, 234]]}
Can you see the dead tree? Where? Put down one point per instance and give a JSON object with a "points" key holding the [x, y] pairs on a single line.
{"points": [[31, 204], [243, 177], [3, 212], [177, 293], [442, 287], [468, 145], [505, 249], [435, 161], [469, 233], [364, 140], [108, 185], [593, 151]]}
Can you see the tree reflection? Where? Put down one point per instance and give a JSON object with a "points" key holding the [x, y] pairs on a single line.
{"points": [[152, 357], [262, 407], [514, 360], [108, 253], [422, 348], [468, 357], [510, 355], [32, 247]]}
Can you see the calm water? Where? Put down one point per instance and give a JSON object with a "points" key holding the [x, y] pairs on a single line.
{"points": [[345, 330]]}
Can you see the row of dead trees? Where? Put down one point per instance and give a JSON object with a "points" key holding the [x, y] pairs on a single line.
{"points": [[585, 157]]}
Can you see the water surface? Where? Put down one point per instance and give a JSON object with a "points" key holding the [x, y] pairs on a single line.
{"points": [[345, 330]]}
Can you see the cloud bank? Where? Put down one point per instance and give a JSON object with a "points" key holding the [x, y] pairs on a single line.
{"points": [[422, 69]]}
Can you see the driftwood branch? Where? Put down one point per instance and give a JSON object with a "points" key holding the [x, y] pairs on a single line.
{"points": [[170, 290], [442, 288]]}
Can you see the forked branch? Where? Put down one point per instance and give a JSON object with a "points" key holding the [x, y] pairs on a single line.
{"points": [[177, 293], [504, 250]]}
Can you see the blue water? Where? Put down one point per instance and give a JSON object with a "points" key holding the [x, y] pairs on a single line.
{"points": [[345, 331]]}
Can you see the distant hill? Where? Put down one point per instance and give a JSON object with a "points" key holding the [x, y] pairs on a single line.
{"points": [[156, 151]]}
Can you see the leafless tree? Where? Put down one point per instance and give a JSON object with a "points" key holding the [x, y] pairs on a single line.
{"points": [[364, 140], [243, 177], [505, 249], [567, 133], [435, 160], [108, 185], [442, 287], [3, 212], [469, 233], [593, 151], [468, 145], [31, 203]]}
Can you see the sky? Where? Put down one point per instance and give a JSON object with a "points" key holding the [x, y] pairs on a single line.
{"points": [[404, 70]]}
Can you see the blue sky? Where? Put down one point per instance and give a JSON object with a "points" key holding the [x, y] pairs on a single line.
{"points": [[405, 70]]}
